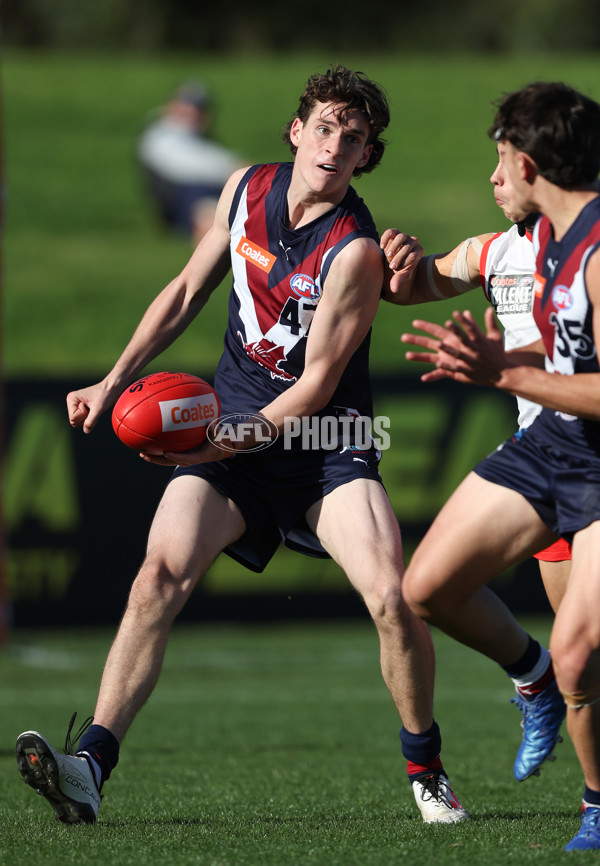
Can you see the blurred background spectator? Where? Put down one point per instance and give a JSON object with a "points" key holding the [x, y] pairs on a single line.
{"points": [[184, 170]]}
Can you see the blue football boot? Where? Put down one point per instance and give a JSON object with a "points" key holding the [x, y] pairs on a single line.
{"points": [[542, 717], [588, 837]]}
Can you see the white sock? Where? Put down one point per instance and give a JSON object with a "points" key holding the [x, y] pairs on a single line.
{"points": [[528, 679], [94, 767]]}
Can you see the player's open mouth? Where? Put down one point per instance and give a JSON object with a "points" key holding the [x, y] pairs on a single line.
{"points": [[330, 169]]}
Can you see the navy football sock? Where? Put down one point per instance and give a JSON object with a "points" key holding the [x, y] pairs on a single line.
{"points": [[422, 751], [533, 671], [591, 798], [527, 661], [103, 748]]}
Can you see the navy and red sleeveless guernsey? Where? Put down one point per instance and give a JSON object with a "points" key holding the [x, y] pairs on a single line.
{"points": [[555, 463], [279, 275], [563, 314]]}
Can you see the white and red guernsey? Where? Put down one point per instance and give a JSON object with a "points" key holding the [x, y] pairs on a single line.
{"points": [[507, 266], [279, 275], [563, 314]]}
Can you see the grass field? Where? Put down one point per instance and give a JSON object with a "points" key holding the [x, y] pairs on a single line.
{"points": [[278, 746], [261, 745], [83, 255]]}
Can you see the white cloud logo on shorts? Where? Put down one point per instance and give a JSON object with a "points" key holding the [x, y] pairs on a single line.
{"points": [[235, 428]]}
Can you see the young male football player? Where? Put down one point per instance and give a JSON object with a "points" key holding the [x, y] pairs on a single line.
{"points": [[307, 277], [503, 264], [544, 482]]}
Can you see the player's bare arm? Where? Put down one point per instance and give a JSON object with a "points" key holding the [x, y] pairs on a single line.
{"points": [[435, 277], [402, 253], [341, 322], [165, 319], [463, 352], [533, 355]]}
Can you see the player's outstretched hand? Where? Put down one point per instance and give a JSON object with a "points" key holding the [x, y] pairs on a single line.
{"points": [[460, 350], [220, 443], [207, 452], [86, 405], [403, 253]]}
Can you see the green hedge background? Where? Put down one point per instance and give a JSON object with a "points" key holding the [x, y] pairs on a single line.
{"points": [[83, 254]]}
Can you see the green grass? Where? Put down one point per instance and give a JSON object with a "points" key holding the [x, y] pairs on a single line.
{"points": [[275, 745], [278, 745], [83, 256]]}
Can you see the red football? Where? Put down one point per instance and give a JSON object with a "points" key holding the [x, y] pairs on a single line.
{"points": [[165, 412]]}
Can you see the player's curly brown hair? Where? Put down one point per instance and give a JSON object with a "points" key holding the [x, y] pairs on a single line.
{"points": [[558, 127], [353, 91]]}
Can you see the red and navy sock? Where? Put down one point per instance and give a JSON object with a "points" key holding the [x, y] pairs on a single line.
{"points": [[422, 751], [533, 672]]}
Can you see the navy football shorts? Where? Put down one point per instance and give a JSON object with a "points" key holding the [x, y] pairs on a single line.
{"points": [[564, 488], [274, 489]]}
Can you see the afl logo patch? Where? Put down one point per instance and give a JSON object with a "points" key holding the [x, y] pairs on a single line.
{"points": [[304, 286], [562, 298]]}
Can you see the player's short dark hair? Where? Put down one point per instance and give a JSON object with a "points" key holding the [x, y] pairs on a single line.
{"points": [[558, 127], [354, 91]]}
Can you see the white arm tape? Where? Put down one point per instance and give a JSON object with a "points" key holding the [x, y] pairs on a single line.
{"points": [[460, 275]]}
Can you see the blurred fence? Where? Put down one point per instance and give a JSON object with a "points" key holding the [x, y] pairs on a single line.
{"points": [[78, 509]]}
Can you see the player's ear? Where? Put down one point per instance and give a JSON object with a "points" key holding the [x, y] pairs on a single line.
{"points": [[366, 155], [528, 166], [295, 131]]}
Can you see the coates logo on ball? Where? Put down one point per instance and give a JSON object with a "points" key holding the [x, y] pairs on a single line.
{"points": [[165, 412]]}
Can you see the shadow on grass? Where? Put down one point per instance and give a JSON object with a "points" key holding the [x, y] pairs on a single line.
{"points": [[321, 820]]}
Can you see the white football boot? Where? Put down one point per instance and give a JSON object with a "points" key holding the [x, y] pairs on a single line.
{"points": [[66, 781], [436, 800]]}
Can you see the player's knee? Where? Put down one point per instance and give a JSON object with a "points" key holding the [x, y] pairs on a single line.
{"points": [[385, 601], [156, 591], [576, 662], [416, 593]]}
